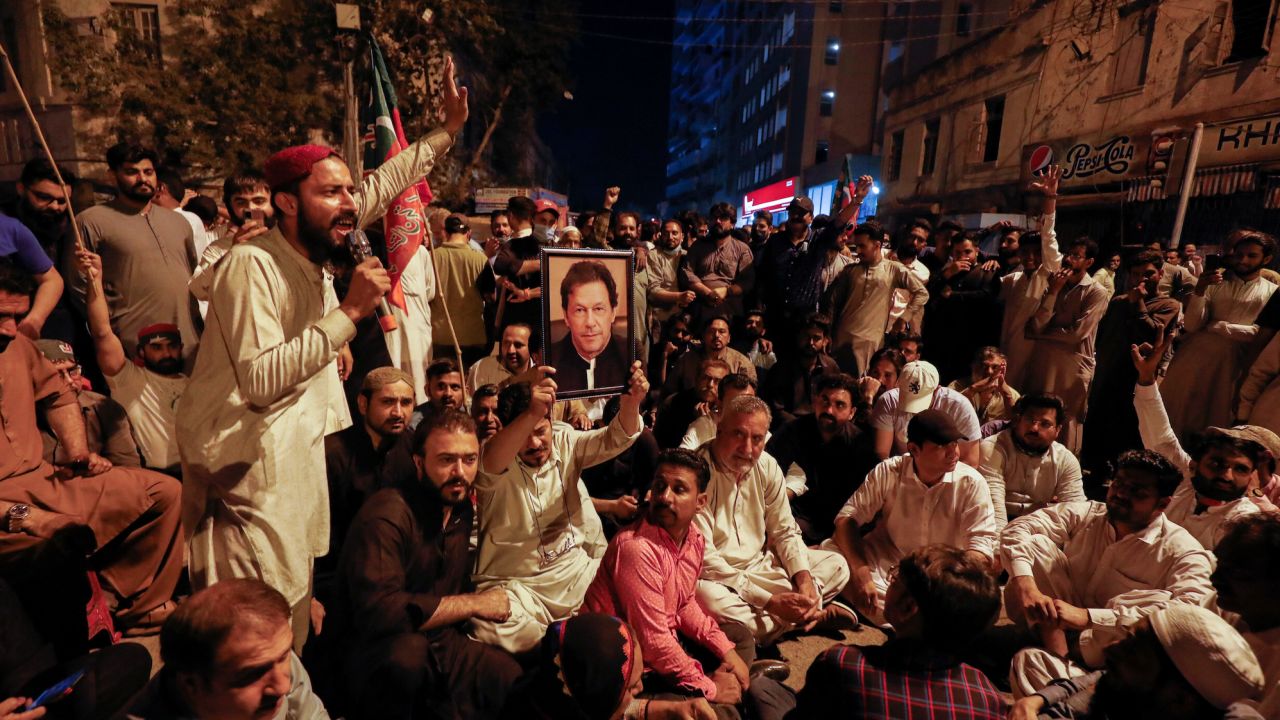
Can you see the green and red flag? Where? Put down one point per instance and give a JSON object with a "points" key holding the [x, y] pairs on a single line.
{"points": [[405, 224], [844, 188]]}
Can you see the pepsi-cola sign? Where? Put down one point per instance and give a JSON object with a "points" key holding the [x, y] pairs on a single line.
{"points": [[1095, 160], [1041, 159]]}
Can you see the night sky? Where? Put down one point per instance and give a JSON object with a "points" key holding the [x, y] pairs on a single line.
{"points": [[614, 131]]}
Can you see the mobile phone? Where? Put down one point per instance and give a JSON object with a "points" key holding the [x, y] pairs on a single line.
{"points": [[259, 216], [57, 692], [1214, 263]]}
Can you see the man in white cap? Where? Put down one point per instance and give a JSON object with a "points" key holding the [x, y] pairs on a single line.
{"points": [[1247, 579], [927, 496], [918, 391], [1081, 572], [1181, 663], [1225, 463]]}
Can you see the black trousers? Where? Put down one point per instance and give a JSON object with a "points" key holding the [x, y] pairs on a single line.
{"points": [[442, 675]]}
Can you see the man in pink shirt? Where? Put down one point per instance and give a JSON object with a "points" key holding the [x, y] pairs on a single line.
{"points": [[648, 577]]}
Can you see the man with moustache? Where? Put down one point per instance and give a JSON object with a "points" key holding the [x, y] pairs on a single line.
{"points": [[1064, 328], [148, 387], [1081, 572], [266, 391], [648, 578], [245, 194], [147, 252], [590, 355], [484, 411], [1025, 466], [541, 539], [444, 390], [1141, 315], [665, 296], [511, 360], [41, 206], [1247, 578], [717, 269], [406, 591], [1217, 474]]}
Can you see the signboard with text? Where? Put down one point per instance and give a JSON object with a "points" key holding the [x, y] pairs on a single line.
{"points": [[770, 197], [1241, 141], [1101, 159]]}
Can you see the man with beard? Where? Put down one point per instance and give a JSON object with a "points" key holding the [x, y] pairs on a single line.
{"points": [[591, 354], [962, 314], [717, 269], [925, 497], [407, 596], [789, 390], [150, 387], [753, 343], [665, 296], [147, 253], [679, 411], [444, 390], [862, 297], [512, 358], [1063, 328], [541, 539], [937, 251], [1247, 579], [484, 411], [761, 231], [266, 391], [1141, 315], [1220, 322], [757, 570], [41, 206], [833, 453], [1224, 466], [359, 460], [715, 346], [791, 269], [1025, 466], [1081, 572], [648, 578], [1180, 663], [1021, 290]]}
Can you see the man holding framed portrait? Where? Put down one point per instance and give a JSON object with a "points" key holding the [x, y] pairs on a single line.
{"points": [[589, 330]]}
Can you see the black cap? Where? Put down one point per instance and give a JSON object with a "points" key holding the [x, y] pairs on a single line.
{"points": [[455, 225], [799, 206], [932, 426]]}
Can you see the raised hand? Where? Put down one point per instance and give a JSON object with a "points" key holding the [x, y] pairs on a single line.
{"points": [[456, 110], [1047, 184], [611, 195], [863, 187]]}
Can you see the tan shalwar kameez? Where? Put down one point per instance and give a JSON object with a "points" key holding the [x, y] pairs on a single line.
{"points": [[1021, 293], [861, 298], [133, 510]]}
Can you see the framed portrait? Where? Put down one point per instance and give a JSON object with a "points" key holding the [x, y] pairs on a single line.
{"points": [[586, 320]]}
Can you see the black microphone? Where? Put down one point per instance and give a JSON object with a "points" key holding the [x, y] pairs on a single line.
{"points": [[358, 246]]}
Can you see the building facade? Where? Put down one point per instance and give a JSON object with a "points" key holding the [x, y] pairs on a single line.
{"points": [[1112, 91]]}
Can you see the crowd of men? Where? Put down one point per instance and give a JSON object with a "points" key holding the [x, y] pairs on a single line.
{"points": [[1047, 474]]}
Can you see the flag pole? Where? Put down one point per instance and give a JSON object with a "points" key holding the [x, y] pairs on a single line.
{"points": [[44, 145]]}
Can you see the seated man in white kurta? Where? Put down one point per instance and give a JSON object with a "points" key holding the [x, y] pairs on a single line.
{"points": [[540, 537], [1091, 569], [756, 569], [922, 498]]}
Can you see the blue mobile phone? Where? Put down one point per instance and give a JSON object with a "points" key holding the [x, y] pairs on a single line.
{"points": [[56, 692]]}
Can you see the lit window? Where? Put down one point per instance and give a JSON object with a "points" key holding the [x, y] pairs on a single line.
{"points": [[827, 103], [833, 51]]}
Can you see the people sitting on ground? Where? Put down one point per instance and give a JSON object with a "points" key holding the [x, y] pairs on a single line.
{"points": [[757, 570], [986, 388], [677, 412], [1081, 572], [1179, 662], [916, 392], [149, 385], [649, 577], [832, 453], [511, 359], [789, 390], [703, 429], [1247, 578], [1025, 466], [406, 595], [484, 411], [532, 469], [925, 497], [939, 600], [124, 521], [882, 376], [1217, 478], [228, 653], [715, 346], [106, 424]]}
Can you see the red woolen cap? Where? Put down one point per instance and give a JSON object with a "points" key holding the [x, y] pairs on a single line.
{"points": [[294, 163], [159, 329]]}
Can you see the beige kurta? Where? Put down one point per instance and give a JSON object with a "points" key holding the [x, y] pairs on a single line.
{"points": [[1260, 393], [1063, 329], [1019, 482], [664, 274], [1201, 382], [410, 345], [540, 537], [1021, 294], [861, 298], [251, 425], [754, 548]]}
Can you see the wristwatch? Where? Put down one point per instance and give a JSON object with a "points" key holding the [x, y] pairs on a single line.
{"points": [[17, 515]]}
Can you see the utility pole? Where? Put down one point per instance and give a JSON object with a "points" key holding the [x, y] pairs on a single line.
{"points": [[348, 21]]}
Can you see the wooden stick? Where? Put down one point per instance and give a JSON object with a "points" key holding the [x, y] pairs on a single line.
{"points": [[44, 145]]}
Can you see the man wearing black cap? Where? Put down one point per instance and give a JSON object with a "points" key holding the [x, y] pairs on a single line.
{"points": [[924, 497], [265, 390], [791, 269]]}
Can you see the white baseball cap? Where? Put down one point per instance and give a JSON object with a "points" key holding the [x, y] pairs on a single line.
{"points": [[916, 384]]}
